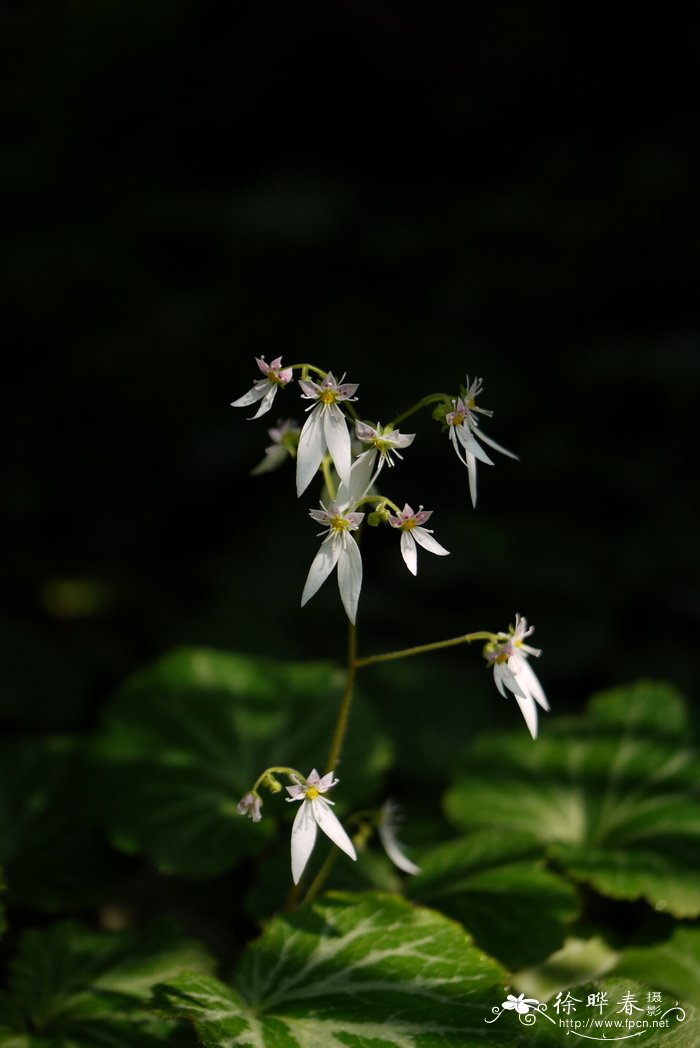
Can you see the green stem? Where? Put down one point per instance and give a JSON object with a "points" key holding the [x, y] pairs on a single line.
{"points": [[378, 498], [306, 367], [422, 649], [432, 398], [293, 774], [345, 703], [327, 477], [322, 875]]}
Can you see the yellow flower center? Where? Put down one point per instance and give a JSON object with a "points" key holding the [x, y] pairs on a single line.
{"points": [[409, 525], [338, 523], [328, 396], [457, 419], [312, 793], [471, 403]]}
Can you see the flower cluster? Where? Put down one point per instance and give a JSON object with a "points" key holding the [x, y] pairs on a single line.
{"points": [[350, 454], [324, 443]]}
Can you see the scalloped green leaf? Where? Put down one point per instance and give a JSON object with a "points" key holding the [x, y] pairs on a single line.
{"points": [[496, 886], [351, 971], [185, 738], [70, 987], [52, 855], [615, 796]]}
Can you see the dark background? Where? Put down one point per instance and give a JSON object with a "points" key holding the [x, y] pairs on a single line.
{"points": [[389, 190]]}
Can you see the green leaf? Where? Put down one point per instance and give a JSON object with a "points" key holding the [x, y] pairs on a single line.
{"points": [[673, 966], [494, 884], [75, 988], [578, 961], [185, 739], [367, 971], [52, 855], [614, 793]]}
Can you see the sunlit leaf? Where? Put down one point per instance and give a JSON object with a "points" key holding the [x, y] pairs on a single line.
{"points": [[368, 971], [615, 794]]}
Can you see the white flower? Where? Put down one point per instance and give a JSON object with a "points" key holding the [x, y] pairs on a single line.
{"points": [[314, 813], [464, 431], [512, 670], [250, 805], [384, 439], [339, 547], [265, 389], [386, 828], [412, 532], [520, 1004], [324, 429], [285, 437]]}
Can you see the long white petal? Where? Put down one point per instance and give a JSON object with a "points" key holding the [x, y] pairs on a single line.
{"points": [[266, 400], [529, 712], [321, 567], [471, 466], [470, 445], [303, 839], [498, 679], [275, 456], [426, 540], [530, 684], [312, 445], [480, 435], [337, 437], [360, 476], [258, 390], [330, 824], [350, 576], [409, 552], [393, 850]]}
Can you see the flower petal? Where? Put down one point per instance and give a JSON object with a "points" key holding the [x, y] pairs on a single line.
{"points": [[350, 575], [330, 824], [337, 438], [480, 435], [254, 394], [470, 445], [321, 567], [426, 540], [304, 833], [360, 476], [393, 849], [409, 552], [312, 445], [266, 401], [275, 457], [529, 683], [471, 467], [529, 712]]}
